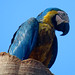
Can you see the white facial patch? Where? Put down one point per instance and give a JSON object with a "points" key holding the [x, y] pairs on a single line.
{"points": [[62, 17], [59, 20]]}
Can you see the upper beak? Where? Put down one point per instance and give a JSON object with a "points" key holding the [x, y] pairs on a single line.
{"points": [[64, 27]]}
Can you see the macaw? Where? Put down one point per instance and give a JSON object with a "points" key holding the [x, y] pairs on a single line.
{"points": [[36, 37]]}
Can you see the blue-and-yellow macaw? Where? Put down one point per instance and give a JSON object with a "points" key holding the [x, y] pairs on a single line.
{"points": [[36, 37]]}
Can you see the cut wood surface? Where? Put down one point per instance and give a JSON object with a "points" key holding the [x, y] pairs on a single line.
{"points": [[11, 65]]}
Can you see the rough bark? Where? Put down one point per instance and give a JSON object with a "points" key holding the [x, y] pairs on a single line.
{"points": [[11, 65]]}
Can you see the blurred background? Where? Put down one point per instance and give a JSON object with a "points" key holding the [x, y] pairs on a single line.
{"points": [[14, 12]]}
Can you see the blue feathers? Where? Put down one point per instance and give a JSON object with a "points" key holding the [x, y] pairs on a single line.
{"points": [[36, 38], [24, 39], [42, 14]]}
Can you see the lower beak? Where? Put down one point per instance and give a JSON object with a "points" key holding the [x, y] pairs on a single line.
{"points": [[64, 27]]}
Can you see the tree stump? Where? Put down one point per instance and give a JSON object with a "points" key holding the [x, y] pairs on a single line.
{"points": [[11, 65]]}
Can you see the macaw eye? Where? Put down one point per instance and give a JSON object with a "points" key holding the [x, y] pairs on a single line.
{"points": [[63, 16]]}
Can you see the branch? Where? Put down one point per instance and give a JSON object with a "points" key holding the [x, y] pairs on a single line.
{"points": [[11, 65]]}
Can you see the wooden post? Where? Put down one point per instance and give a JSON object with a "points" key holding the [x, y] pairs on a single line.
{"points": [[11, 65]]}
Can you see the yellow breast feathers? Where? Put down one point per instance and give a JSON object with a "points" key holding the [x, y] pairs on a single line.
{"points": [[44, 43], [48, 17]]}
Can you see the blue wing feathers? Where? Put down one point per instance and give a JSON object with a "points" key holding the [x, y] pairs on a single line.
{"points": [[24, 39]]}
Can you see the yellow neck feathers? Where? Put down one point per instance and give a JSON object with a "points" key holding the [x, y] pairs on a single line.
{"points": [[48, 17]]}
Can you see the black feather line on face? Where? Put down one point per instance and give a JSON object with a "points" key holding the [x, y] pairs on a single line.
{"points": [[54, 21]]}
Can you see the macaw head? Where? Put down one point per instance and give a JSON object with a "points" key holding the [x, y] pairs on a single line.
{"points": [[55, 17]]}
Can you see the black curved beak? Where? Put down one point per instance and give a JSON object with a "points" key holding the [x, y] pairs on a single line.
{"points": [[64, 27]]}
